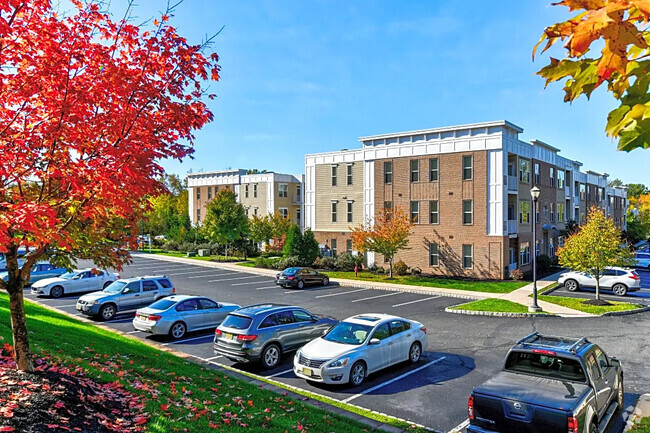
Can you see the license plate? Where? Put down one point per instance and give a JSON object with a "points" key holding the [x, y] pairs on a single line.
{"points": [[307, 371], [229, 336]]}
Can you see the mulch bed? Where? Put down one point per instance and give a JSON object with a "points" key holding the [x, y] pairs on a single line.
{"points": [[57, 399]]}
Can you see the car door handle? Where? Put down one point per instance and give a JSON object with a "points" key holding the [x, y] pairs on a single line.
{"points": [[136, 295], [408, 335], [390, 344]]}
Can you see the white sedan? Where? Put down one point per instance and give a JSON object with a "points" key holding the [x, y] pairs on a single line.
{"points": [[359, 346], [618, 280], [77, 281]]}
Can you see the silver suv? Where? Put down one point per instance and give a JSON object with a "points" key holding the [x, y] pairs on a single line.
{"points": [[264, 332], [124, 295]]}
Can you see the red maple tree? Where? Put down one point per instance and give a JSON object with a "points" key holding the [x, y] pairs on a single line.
{"points": [[90, 105]]}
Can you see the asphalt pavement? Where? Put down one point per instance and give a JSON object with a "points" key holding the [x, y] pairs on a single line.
{"points": [[463, 351]]}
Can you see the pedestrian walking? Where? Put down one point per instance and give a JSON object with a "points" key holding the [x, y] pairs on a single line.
{"points": [[356, 270]]}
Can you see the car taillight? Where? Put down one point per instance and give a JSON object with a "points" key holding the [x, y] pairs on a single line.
{"points": [[544, 352], [217, 333], [634, 276], [423, 329], [173, 289], [246, 337], [470, 407], [290, 278], [572, 425], [118, 276], [154, 317]]}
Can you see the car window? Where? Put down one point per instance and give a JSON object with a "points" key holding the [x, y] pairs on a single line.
{"points": [[397, 326], [304, 272], [301, 316], [86, 274], [133, 287], [165, 283], [381, 332], [189, 305], [285, 318], [270, 320], [592, 366], [149, 286], [207, 304], [545, 365], [609, 272], [602, 360], [313, 272], [237, 322]]}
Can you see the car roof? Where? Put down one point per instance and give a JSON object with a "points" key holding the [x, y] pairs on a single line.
{"points": [[179, 298], [144, 277], [565, 345], [372, 318], [254, 310]]}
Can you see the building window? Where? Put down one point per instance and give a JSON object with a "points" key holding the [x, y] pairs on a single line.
{"points": [[388, 172], [415, 170], [560, 212], [246, 191], [299, 191], [537, 177], [255, 191], [283, 190], [433, 170], [468, 162], [434, 216], [349, 211], [198, 214], [334, 205], [284, 212], [524, 212], [434, 254], [334, 170], [198, 193], [349, 173], [254, 211], [415, 212], [524, 253], [298, 216], [348, 246], [209, 193], [583, 191], [536, 212], [560, 179], [333, 244], [552, 212], [468, 213], [552, 174], [524, 171], [468, 256], [388, 206]]}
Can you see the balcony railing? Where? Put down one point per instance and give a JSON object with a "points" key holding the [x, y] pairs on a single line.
{"points": [[295, 199], [512, 183], [512, 227]]}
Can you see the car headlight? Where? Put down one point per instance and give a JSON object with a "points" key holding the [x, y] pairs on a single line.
{"points": [[297, 355], [95, 302], [339, 363]]}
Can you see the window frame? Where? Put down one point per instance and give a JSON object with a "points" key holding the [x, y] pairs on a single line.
{"points": [[334, 211], [433, 255], [470, 213], [349, 174], [414, 175], [469, 158], [432, 213], [283, 190], [525, 220], [471, 256], [334, 174], [434, 173], [334, 247], [388, 174], [349, 211], [415, 216]]}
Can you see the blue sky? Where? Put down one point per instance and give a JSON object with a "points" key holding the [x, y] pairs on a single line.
{"points": [[312, 76]]}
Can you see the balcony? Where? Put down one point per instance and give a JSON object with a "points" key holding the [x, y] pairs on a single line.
{"points": [[295, 199], [512, 184], [512, 227]]}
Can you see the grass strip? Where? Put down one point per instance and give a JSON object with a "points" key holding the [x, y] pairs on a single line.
{"points": [[578, 304], [493, 305], [180, 395], [437, 282], [643, 426]]}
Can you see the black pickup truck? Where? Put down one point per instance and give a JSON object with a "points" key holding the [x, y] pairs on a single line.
{"points": [[548, 385]]}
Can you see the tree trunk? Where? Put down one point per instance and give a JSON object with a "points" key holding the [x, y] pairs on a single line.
{"points": [[390, 265], [226, 252], [19, 326], [597, 288]]}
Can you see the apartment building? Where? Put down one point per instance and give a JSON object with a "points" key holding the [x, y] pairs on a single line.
{"points": [[467, 190], [259, 193]]}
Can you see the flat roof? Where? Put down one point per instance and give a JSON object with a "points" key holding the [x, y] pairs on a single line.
{"points": [[445, 129]]}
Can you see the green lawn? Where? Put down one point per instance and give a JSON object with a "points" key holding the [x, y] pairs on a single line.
{"points": [[180, 395], [217, 258], [248, 264], [444, 283], [578, 304], [493, 305], [642, 426]]}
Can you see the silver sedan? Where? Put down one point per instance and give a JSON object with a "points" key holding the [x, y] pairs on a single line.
{"points": [[176, 315]]}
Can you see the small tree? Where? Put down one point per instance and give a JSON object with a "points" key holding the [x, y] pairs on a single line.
{"points": [[293, 243], [596, 246], [225, 219], [260, 228], [309, 250], [389, 234]]}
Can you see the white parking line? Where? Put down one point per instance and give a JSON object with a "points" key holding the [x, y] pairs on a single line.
{"points": [[133, 332], [213, 358], [63, 306], [342, 293], [266, 288], [395, 379], [213, 275], [378, 296], [242, 284], [460, 427], [238, 278], [280, 373], [185, 341], [413, 302], [159, 265], [203, 271]]}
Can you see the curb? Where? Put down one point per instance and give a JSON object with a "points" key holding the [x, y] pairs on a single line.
{"points": [[496, 313], [260, 381], [626, 313], [641, 410]]}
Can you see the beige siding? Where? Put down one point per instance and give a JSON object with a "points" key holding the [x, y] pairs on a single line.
{"points": [[251, 202], [291, 202], [342, 193]]}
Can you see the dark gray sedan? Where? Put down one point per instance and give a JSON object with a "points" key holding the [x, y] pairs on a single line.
{"points": [[301, 277]]}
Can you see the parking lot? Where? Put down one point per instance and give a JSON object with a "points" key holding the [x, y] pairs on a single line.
{"points": [[463, 350]]}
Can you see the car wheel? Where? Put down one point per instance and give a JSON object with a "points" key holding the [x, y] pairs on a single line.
{"points": [[326, 281], [106, 284], [56, 292], [619, 289], [620, 397], [357, 373], [593, 428], [177, 330], [271, 356], [415, 352], [571, 285], [301, 284], [107, 312]]}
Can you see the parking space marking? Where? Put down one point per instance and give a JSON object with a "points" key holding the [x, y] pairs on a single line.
{"points": [[179, 266], [378, 296], [213, 358], [203, 271], [213, 275], [248, 282], [280, 373], [395, 379], [189, 339], [460, 426], [238, 278], [343, 293], [65, 306], [266, 288], [133, 332], [417, 300]]}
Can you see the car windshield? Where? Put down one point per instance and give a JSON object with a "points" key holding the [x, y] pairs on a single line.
{"points": [[290, 271], [69, 275], [545, 364], [348, 333], [115, 287], [162, 304], [237, 322]]}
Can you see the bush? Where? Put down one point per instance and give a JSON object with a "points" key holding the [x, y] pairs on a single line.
{"points": [[416, 271], [380, 270], [517, 274], [400, 268], [328, 263], [285, 262], [170, 246], [373, 268], [262, 262], [543, 262], [555, 261], [187, 247], [345, 262]]}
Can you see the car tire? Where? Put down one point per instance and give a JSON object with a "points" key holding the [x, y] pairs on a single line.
{"points": [[619, 289], [326, 281], [56, 291], [106, 284], [572, 285], [107, 312], [271, 356], [415, 352], [620, 394], [177, 330], [301, 284], [357, 374], [593, 428]]}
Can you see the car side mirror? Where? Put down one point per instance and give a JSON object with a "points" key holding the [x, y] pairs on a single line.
{"points": [[76, 277], [374, 341], [325, 331]]}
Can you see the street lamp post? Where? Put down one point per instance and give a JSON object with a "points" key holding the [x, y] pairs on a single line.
{"points": [[534, 193]]}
